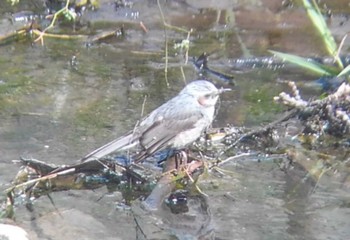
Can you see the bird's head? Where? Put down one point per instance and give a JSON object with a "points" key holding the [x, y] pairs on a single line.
{"points": [[205, 92]]}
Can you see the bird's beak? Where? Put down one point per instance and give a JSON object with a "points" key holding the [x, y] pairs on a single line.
{"points": [[221, 90]]}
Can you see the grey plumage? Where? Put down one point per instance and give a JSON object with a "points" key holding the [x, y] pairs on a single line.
{"points": [[175, 124]]}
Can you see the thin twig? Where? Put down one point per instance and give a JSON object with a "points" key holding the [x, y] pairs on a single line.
{"points": [[234, 158], [60, 36], [36, 180], [183, 74], [341, 46], [143, 27], [285, 117], [166, 44], [41, 35], [188, 39], [143, 106]]}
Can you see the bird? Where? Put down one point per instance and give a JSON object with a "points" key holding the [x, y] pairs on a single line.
{"points": [[174, 125]]}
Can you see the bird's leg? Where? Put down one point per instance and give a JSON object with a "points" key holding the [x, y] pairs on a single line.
{"points": [[191, 167], [181, 158], [186, 164], [176, 162], [181, 164]]}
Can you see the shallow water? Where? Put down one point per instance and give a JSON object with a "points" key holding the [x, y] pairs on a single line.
{"points": [[61, 100]]}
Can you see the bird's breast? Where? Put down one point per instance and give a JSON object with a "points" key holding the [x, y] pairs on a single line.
{"points": [[187, 137]]}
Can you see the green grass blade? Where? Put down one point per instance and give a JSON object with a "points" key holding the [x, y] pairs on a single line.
{"points": [[344, 71], [305, 63], [318, 20], [321, 25]]}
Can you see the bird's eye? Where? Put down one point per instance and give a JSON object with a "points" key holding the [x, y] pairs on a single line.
{"points": [[207, 95]]}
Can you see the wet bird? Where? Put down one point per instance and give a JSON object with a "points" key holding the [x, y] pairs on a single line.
{"points": [[174, 125]]}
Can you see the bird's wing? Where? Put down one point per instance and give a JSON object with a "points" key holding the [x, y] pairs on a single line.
{"points": [[156, 131], [162, 132]]}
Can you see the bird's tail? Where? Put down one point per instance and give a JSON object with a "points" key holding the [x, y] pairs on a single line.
{"points": [[122, 143]]}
